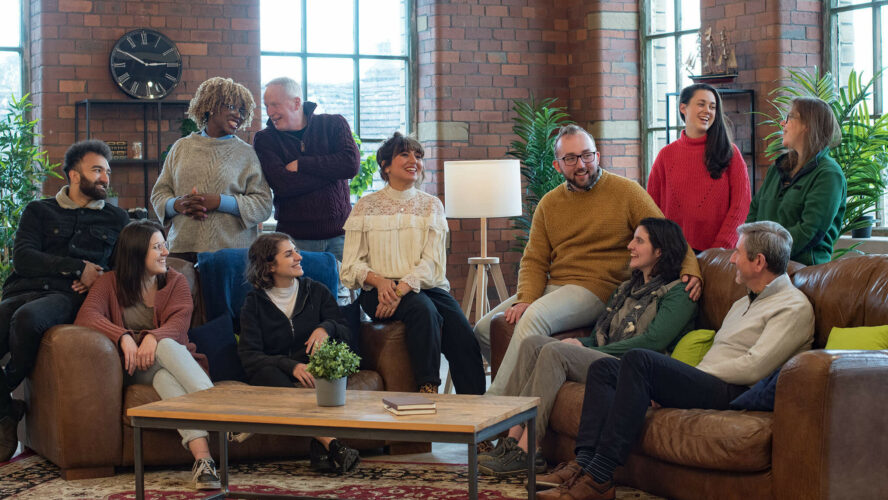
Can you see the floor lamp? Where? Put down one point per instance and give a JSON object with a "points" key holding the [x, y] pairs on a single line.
{"points": [[482, 189]]}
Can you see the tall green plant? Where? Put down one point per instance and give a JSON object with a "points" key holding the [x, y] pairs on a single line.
{"points": [[863, 152], [364, 179], [23, 168], [536, 125]]}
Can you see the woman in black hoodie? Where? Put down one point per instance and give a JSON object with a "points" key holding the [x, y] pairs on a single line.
{"points": [[284, 319]]}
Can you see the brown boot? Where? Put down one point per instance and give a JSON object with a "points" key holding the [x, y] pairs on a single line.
{"points": [[582, 487], [428, 388], [562, 474]]}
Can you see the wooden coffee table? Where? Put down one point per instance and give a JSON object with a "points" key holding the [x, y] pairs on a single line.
{"points": [[273, 410]]}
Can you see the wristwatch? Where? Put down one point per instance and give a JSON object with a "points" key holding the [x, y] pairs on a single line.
{"points": [[398, 292]]}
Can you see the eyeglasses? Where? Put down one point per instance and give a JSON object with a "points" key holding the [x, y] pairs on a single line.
{"points": [[231, 107], [158, 247], [791, 116], [571, 160]]}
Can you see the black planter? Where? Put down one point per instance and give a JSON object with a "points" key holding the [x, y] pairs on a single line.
{"points": [[863, 232]]}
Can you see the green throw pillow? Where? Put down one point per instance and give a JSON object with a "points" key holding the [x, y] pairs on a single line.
{"points": [[693, 346], [867, 338]]}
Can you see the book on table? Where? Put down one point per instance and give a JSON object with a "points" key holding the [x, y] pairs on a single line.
{"points": [[408, 403], [401, 413]]}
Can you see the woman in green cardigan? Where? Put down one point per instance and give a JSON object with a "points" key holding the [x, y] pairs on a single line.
{"points": [[650, 310], [805, 190]]}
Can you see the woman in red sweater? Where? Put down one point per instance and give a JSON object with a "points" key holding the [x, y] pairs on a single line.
{"points": [[145, 309], [700, 180]]}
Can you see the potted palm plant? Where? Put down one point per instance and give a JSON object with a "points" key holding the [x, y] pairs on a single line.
{"points": [[863, 152], [536, 125], [330, 365]]}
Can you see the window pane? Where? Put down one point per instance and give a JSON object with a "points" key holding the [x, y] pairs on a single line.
{"points": [[690, 14], [662, 67], [884, 78], [10, 78], [689, 49], [383, 98], [382, 27], [662, 16], [280, 25], [277, 66], [855, 45], [843, 3], [10, 23], [655, 142], [330, 26], [331, 84]]}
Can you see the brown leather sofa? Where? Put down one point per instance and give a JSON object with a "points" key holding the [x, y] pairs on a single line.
{"points": [[828, 435], [77, 403]]}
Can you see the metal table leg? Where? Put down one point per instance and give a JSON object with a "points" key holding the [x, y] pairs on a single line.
{"points": [[223, 461], [531, 458], [137, 463], [473, 471]]}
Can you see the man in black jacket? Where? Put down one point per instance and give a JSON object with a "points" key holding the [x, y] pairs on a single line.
{"points": [[61, 246]]}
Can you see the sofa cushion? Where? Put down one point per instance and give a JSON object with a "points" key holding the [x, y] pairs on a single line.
{"points": [[759, 397], [215, 339], [693, 346], [710, 439], [867, 338]]}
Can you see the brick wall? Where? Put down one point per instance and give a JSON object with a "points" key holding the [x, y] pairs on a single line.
{"points": [[70, 45]]}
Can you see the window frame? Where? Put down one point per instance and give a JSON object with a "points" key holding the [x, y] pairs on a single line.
{"points": [[356, 56], [830, 55], [22, 51], [648, 97]]}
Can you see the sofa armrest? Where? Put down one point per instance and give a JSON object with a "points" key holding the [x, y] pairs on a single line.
{"points": [[384, 350], [501, 334], [830, 438], [74, 396]]}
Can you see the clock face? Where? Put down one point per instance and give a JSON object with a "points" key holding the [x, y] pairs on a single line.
{"points": [[145, 64]]}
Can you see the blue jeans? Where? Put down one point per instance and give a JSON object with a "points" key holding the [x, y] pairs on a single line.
{"points": [[332, 245]]}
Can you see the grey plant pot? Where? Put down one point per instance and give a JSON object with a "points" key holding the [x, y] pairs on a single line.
{"points": [[330, 392]]}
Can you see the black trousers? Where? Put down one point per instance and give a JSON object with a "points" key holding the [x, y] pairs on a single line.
{"points": [[273, 376], [619, 392], [24, 318], [435, 324]]}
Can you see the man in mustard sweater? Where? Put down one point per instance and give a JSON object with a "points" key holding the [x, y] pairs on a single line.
{"points": [[576, 255]]}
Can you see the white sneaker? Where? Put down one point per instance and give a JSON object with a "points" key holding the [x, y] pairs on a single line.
{"points": [[204, 476]]}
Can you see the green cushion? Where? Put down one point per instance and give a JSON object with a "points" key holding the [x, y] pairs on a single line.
{"points": [[867, 338], [693, 346]]}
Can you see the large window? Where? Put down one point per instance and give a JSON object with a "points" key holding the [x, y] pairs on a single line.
{"points": [[670, 39], [350, 56], [11, 55], [858, 42]]}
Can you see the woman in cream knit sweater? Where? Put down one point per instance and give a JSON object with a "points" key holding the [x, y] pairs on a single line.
{"points": [[394, 251]]}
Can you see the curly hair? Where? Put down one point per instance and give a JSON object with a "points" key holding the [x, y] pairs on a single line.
{"points": [[80, 149], [261, 256], [217, 92]]}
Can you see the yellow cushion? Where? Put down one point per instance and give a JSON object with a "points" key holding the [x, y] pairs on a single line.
{"points": [[693, 346], [867, 338]]}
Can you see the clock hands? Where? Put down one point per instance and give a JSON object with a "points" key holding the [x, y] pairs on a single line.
{"points": [[136, 58]]}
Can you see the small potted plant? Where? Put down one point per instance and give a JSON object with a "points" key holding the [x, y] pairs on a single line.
{"points": [[330, 365]]}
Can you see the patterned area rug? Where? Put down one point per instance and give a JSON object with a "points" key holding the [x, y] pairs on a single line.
{"points": [[32, 477]]}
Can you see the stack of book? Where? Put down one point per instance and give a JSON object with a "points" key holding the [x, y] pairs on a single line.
{"points": [[409, 405], [118, 149]]}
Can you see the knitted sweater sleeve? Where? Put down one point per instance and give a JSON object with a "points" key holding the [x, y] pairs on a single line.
{"points": [[164, 186], [656, 180], [254, 202], [174, 318], [534, 269], [274, 160], [738, 207], [343, 163], [96, 311]]}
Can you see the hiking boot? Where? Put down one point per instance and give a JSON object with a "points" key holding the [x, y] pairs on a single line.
{"points": [[511, 463], [580, 487], [564, 473], [428, 388], [9, 428], [204, 475], [320, 457], [343, 459], [503, 445], [485, 446]]}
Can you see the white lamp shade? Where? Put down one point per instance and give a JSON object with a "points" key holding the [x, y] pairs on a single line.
{"points": [[482, 188]]}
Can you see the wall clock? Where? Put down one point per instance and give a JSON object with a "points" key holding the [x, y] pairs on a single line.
{"points": [[146, 64]]}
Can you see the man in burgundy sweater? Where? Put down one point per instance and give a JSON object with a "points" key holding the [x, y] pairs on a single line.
{"points": [[307, 160]]}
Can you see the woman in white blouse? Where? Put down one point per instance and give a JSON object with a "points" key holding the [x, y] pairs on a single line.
{"points": [[394, 250]]}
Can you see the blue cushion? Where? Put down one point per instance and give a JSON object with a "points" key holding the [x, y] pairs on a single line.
{"points": [[759, 397], [224, 287], [216, 340]]}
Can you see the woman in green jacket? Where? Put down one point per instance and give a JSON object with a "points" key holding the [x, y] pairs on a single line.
{"points": [[805, 190]]}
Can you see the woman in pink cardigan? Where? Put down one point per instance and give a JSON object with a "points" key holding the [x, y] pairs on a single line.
{"points": [[145, 309], [700, 180]]}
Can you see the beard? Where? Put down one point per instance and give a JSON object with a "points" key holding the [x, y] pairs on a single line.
{"points": [[92, 189], [581, 186]]}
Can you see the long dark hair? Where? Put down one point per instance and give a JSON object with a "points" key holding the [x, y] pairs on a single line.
{"points": [[719, 150], [667, 237], [260, 258], [128, 260]]}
